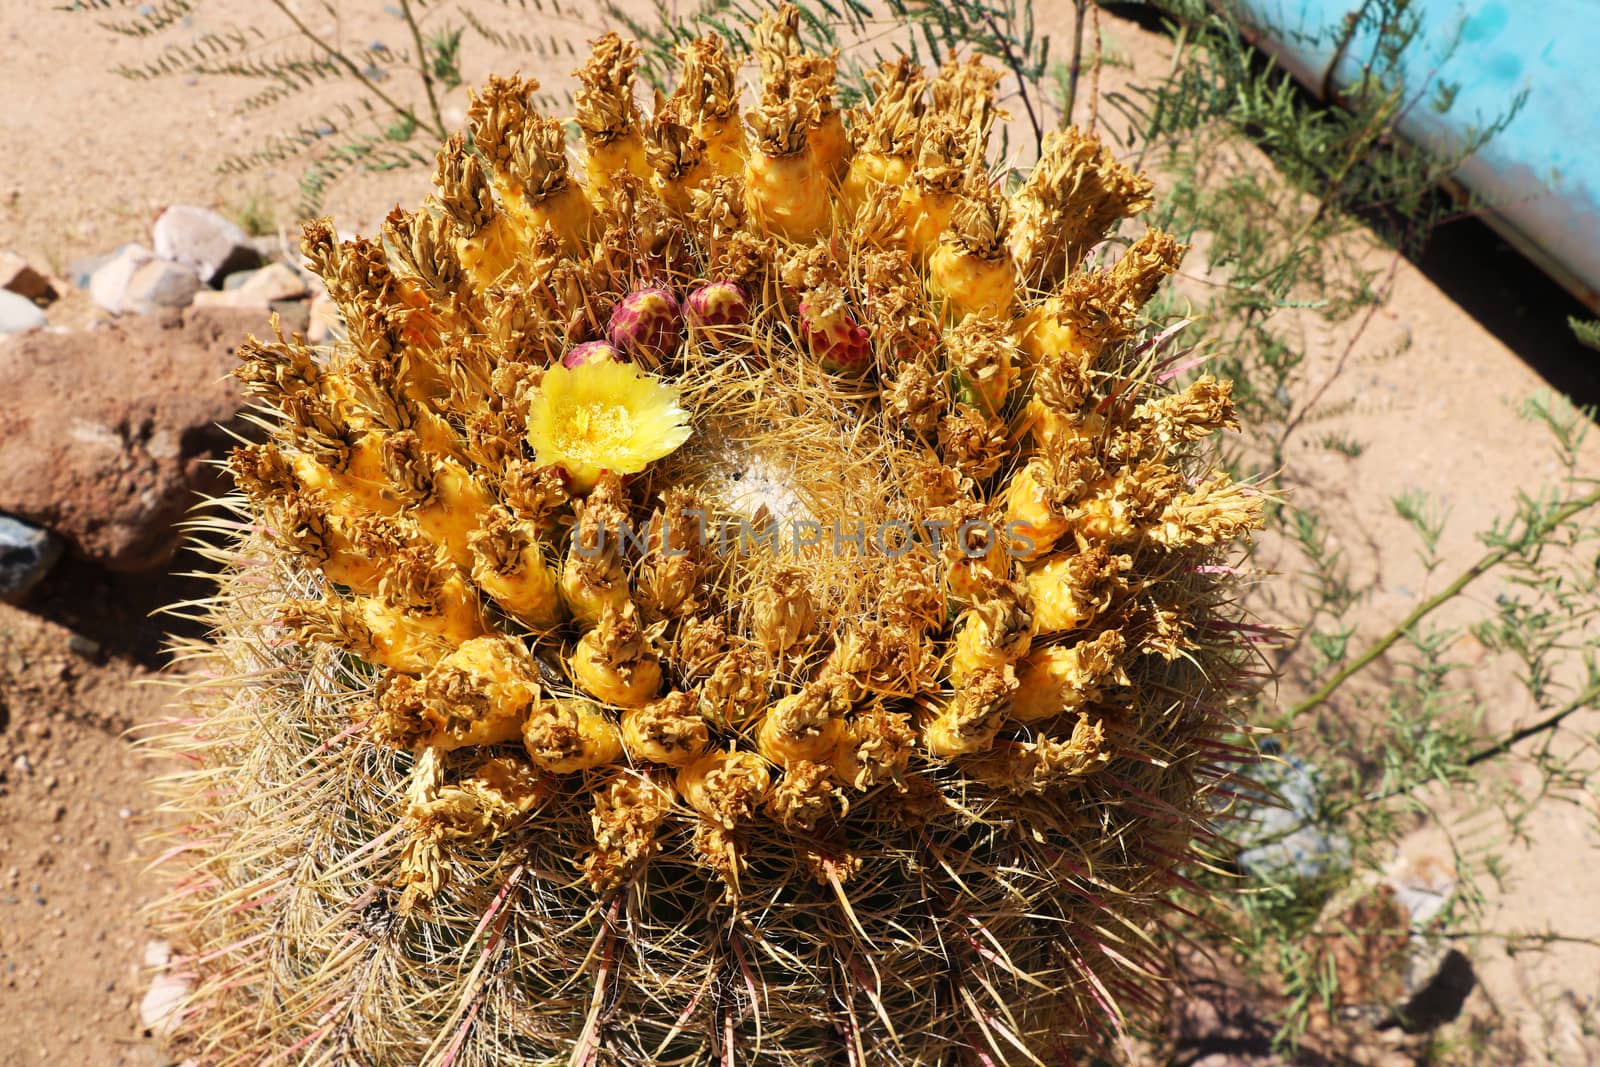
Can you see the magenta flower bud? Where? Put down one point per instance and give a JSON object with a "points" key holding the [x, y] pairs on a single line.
{"points": [[591, 352], [842, 345], [646, 324], [715, 306]]}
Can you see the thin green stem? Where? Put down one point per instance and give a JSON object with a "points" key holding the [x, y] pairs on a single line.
{"points": [[1488, 562], [1017, 66], [345, 61], [423, 69], [1584, 699], [1076, 67]]}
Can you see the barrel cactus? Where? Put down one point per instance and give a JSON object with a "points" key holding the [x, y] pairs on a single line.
{"points": [[754, 592]]}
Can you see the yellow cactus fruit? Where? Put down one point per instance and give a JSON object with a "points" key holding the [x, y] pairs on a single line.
{"points": [[608, 115], [486, 243], [971, 270], [968, 722], [1032, 523], [669, 730], [875, 748], [1037, 766], [1072, 589], [527, 154], [929, 200], [566, 736], [993, 635], [707, 98], [786, 187], [1061, 678], [1055, 414], [677, 155], [593, 579], [983, 362], [724, 593], [803, 725], [614, 663], [448, 504], [887, 133], [509, 565], [477, 695], [725, 786], [352, 471]]}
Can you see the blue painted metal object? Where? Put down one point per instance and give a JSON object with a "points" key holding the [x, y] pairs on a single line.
{"points": [[1541, 174]]}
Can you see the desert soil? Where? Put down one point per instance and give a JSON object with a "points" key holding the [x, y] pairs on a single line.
{"points": [[91, 158]]}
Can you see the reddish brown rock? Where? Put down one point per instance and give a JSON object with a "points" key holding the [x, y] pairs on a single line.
{"points": [[18, 276], [106, 433]]}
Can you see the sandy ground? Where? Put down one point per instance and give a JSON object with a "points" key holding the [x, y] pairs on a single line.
{"points": [[91, 158]]}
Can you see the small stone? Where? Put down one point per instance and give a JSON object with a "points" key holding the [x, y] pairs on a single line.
{"points": [[17, 276], [160, 283], [18, 314], [1278, 827], [270, 246], [82, 270], [294, 316], [26, 555], [108, 285], [83, 646], [1422, 885], [157, 954], [200, 238], [227, 298], [326, 323], [22, 766], [277, 281], [161, 1008]]}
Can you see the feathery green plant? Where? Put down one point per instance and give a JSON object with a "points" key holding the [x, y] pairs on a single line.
{"points": [[1385, 716]]}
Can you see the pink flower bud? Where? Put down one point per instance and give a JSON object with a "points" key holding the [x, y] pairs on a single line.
{"points": [[646, 324], [841, 345], [591, 352], [715, 307]]}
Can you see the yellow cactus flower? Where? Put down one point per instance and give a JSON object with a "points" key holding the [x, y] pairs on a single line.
{"points": [[604, 416]]}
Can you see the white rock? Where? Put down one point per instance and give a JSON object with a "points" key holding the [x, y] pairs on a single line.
{"points": [[161, 1008], [157, 953], [277, 281], [1423, 885], [19, 277], [18, 313], [326, 324], [26, 555], [108, 285], [160, 283], [227, 298], [200, 238]]}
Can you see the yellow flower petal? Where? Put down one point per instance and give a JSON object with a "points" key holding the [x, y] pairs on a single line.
{"points": [[604, 416]]}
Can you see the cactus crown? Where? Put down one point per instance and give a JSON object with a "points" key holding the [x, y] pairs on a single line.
{"points": [[830, 661]]}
